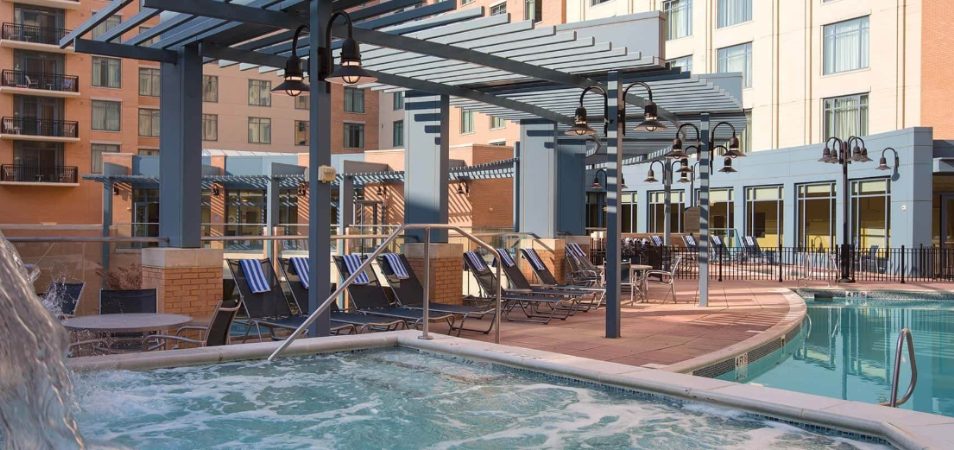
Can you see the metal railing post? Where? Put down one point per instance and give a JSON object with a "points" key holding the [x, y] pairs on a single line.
{"points": [[902, 264], [427, 285], [721, 248], [780, 262]]}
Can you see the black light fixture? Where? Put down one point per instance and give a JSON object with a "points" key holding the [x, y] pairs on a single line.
{"points": [[734, 150], [580, 126], [826, 155], [215, 190], [596, 182], [883, 163], [859, 153], [727, 165], [463, 187], [303, 189], [350, 70], [294, 83], [115, 190], [684, 177], [650, 121], [380, 190]]}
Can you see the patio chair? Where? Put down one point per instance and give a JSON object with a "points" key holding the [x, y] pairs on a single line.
{"points": [[127, 301], [530, 304], [519, 283], [369, 296], [264, 304], [871, 262], [667, 277], [66, 296], [409, 292], [582, 270], [657, 241], [295, 271], [752, 250], [216, 332]]}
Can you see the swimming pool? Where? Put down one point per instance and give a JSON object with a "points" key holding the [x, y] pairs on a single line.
{"points": [[846, 350], [402, 399]]}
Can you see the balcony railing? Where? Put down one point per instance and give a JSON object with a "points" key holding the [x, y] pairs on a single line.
{"points": [[32, 33], [37, 80], [36, 174], [32, 126]]}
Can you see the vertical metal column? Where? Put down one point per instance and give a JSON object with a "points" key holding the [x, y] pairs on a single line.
{"points": [[107, 220], [614, 152], [667, 201], [705, 153], [180, 149], [272, 205], [426, 162], [319, 153], [516, 186]]}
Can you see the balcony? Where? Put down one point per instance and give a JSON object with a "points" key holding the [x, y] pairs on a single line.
{"points": [[32, 37], [38, 84], [35, 175], [36, 129]]}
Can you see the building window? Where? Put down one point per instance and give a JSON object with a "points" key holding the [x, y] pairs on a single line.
{"points": [[244, 212], [353, 100], [816, 215], [737, 58], [259, 93], [148, 122], [301, 132], [596, 210], [628, 212], [679, 22], [466, 2], [210, 88], [397, 133], [764, 215], [151, 40], [107, 72], [497, 122], [97, 155], [105, 115], [302, 102], [354, 135], [721, 213], [657, 211], [871, 214], [106, 25], [149, 152], [397, 101], [597, 2], [149, 81], [732, 12], [145, 218], [846, 116], [499, 8], [683, 63], [846, 46], [466, 121], [259, 130], [533, 10], [210, 127]]}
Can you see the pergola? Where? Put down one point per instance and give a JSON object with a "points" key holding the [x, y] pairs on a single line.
{"points": [[519, 71]]}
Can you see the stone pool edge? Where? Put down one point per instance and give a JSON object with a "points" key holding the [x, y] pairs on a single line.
{"points": [[902, 428]]}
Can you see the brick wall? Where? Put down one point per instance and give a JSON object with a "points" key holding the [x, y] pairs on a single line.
{"points": [[937, 50], [194, 291], [446, 282]]}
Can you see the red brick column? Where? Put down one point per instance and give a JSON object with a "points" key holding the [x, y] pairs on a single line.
{"points": [[447, 283], [188, 280]]}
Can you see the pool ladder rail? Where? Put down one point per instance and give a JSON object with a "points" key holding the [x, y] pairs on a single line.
{"points": [[904, 337]]}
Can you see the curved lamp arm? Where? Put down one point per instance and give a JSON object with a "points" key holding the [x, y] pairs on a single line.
{"points": [[883, 163], [605, 103], [329, 58]]}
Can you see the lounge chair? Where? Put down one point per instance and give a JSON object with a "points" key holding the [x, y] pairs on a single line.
{"points": [[540, 269], [582, 270], [667, 277], [409, 292], [657, 241], [520, 284], [127, 301], [369, 296], [753, 251], [66, 297], [298, 284], [263, 303], [530, 304], [216, 333]]}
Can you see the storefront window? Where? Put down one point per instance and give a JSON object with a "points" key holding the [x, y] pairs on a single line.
{"points": [[657, 211], [816, 216], [721, 213], [628, 212], [595, 212], [870, 213], [764, 215], [244, 213]]}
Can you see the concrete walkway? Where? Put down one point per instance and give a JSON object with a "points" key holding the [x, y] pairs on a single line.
{"points": [[654, 334]]}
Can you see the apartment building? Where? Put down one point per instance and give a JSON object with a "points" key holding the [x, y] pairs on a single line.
{"points": [[62, 111], [812, 68]]}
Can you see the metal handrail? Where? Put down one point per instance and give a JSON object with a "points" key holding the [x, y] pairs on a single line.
{"points": [[57, 239], [903, 337], [427, 270]]}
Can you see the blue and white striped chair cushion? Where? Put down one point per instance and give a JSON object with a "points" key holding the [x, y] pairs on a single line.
{"points": [[534, 258], [576, 249], [476, 261], [505, 256], [352, 262], [301, 268], [254, 276], [397, 266]]}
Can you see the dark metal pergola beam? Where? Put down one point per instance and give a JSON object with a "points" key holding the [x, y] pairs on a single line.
{"points": [[124, 51], [97, 19], [141, 17]]}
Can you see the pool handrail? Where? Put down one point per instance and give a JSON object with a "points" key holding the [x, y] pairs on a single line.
{"points": [[427, 272], [903, 337]]}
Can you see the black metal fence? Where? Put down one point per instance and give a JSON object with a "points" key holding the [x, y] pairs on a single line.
{"points": [[35, 173], [35, 126], [32, 33], [889, 265], [39, 80]]}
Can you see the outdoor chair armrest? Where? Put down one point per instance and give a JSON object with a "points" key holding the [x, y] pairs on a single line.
{"points": [[202, 329], [161, 340], [663, 274]]}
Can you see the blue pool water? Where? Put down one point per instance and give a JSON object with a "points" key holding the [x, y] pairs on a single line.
{"points": [[848, 352], [402, 399]]}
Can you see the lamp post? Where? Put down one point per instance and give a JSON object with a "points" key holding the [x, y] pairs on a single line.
{"points": [[705, 150], [600, 202], [614, 126], [841, 155], [667, 171]]}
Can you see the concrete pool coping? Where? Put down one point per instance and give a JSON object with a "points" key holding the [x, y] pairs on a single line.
{"points": [[774, 335], [902, 428]]}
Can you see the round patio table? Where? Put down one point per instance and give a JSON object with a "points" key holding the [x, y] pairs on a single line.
{"points": [[126, 323], [642, 269]]}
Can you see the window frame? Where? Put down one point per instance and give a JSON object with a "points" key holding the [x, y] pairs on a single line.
{"points": [[206, 119], [361, 135], [747, 72], [719, 14], [154, 118], [467, 118], [863, 114], [357, 100], [395, 142], [119, 115], [93, 153], [306, 129], [686, 7], [214, 79], [864, 41], [497, 9], [155, 81], [262, 90], [107, 60], [260, 123]]}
